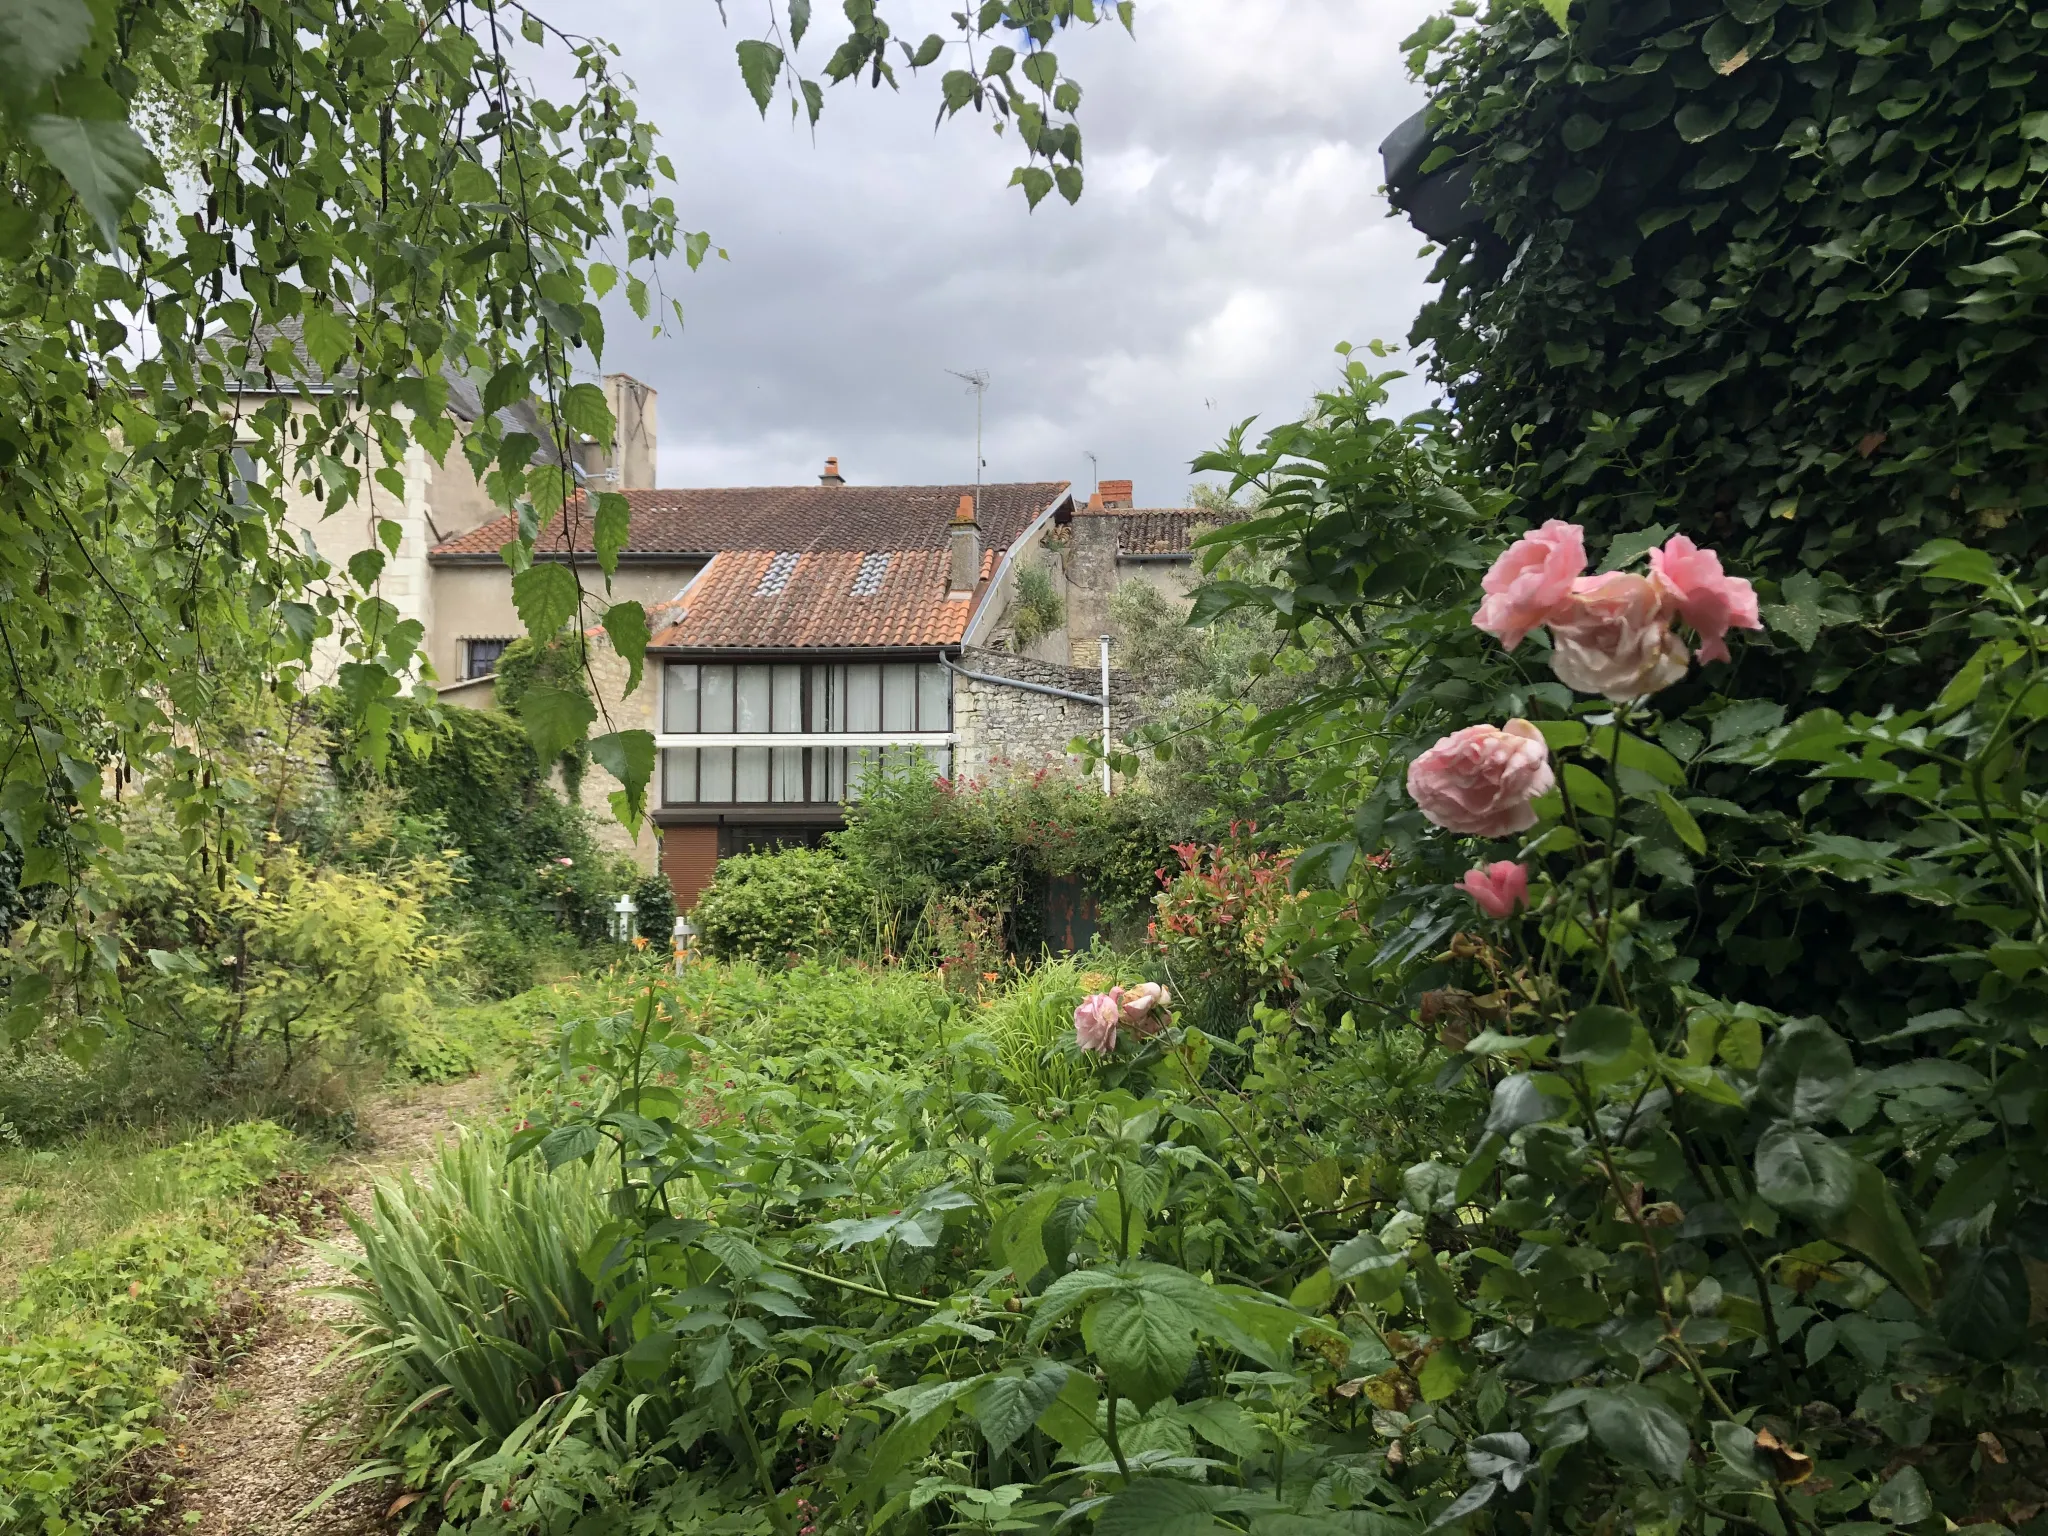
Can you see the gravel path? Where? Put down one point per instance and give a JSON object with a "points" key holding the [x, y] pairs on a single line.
{"points": [[259, 1441]]}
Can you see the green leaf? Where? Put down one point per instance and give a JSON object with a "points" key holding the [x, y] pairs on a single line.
{"points": [[40, 40], [1799, 617], [1950, 561], [1559, 734], [1599, 1033], [1363, 1263], [1984, 1305], [627, 756], [568, 1144], [1801, 1171], [546, 595], [1225, 1425], [104, 161], [365, 566], [626, 626], [1589, 794], [585, 410], [799, 21], [1903, 1500], [613, 525], [555, 718], [1161, 1506], [1632, 751], [1520, 1100], [1559, 11], [1806, 1072], [760, 63], [1006, 1406], [1035, 182], [1639, 1429], [1682, 822], [1875, 1227], [1143, 1341], [1553, 1356]]}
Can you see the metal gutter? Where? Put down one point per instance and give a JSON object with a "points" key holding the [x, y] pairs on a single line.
{"points": [[1017, 682]]}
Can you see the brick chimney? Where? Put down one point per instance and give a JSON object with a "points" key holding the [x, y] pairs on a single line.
{"points": [[1116, 494], [832, 475], [965, 535], [1090, 564], [627, 462]]}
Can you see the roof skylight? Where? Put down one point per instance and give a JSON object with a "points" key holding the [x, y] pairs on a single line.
{"points": [[776, 578], [867, 581]]}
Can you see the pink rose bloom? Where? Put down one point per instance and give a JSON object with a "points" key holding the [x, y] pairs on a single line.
{"points": [[1095, 1022], [1480, 780], [1615, 638], [566, 863], [1145, 1009], [1498, 888], [1692, 584], [1530, 581]]}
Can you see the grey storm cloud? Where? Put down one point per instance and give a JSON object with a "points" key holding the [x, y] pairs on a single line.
{"points": [[1232, 232]]}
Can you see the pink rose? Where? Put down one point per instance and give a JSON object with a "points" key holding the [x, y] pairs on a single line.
{"points": [[1615, 638], [1095, 1022], [1530, 581], [1691, 583], [1498, 888], [1145, 1009], [1480, 780]]}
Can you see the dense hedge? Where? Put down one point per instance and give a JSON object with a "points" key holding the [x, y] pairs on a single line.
{"points": [[1768, 273]]}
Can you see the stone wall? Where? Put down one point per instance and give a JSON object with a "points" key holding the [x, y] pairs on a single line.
{"points": [[620, 711], [1004, 730]]}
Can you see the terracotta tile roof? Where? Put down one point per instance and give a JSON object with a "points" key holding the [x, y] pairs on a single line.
{"points": [[784, 517], [815, 607], [1158, 530]]}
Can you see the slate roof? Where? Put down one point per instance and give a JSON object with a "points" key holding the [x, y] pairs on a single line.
{"points": [[842, 518], [815, 607]]}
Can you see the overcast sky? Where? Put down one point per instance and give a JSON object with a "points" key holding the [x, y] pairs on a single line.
{"points": [[1232, 232]]}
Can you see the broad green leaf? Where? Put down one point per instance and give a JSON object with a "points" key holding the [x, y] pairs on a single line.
{"points": [[1801, 1171], [1903, 1500], [104, 161], [1224, 1424], [625, 625], [1682, 822], [1006, 1406], [627, 756], [1599, 1033], [555, 718], [365, 566], [1363, 1263], [1560, 734], [546, 595], [568, 1144], [760, 63], [1984, 1304], [1161, 1506], [1143, 1341], [1520, 1100], [585, 410], [1875, 1227], [1951, 561], [1633, 751], [613, 525], [1553, 1356], [1806, 1072], [1589, 794], [1559, 11], [40, 40], [1639, 1429]]}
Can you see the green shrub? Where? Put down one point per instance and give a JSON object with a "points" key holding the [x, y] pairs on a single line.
{"points": [[794, 901], [1037, 610], [656, 899]]}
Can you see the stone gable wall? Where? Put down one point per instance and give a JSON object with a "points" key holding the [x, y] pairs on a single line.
{"points": [[1005, 730]]}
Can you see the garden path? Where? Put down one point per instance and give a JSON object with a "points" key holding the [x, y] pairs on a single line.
{"points": [[256, 1451]]}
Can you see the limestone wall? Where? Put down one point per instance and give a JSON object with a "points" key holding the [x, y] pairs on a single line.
{"points": [[1005, 730]]}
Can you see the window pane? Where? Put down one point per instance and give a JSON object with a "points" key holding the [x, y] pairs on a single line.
{"points": [[863, 697], [833, 779], [825, 698], [788, 703], [678, 775], [941, 759], [899, 696], [934, 698], [750, 778], [858, 761], [715, 775], [786, 773], [679, 700], [753, 698], [716, 700]]}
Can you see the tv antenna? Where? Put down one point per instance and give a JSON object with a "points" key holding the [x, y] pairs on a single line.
{"points": [[1094, 464], [976, 380]]}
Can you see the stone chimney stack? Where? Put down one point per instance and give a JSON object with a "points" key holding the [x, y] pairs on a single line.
{"points": [[1090, 563], [832, 475], [965, 535]]}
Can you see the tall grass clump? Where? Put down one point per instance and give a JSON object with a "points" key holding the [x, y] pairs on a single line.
{"points": [[1030, 1029]]}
